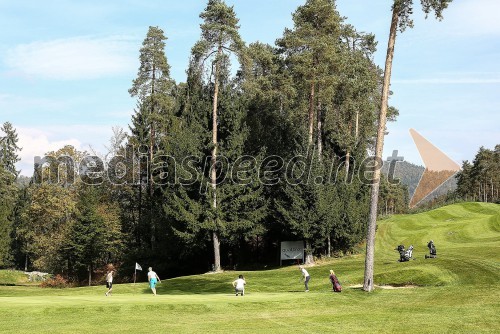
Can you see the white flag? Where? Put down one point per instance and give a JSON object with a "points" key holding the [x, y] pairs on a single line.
{"points": [[138, 267]]}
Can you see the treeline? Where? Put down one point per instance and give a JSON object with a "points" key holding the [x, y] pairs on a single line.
{"points": [[261, 144], [398, 186], [480, 180]]}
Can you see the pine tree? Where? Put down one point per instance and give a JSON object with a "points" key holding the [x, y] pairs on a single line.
{"points": [[219, 39], [401, 18], [271, 93], [311, 50], [154, 89]]}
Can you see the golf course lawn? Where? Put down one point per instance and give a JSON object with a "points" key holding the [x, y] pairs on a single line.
{"points": [[458, 292]]}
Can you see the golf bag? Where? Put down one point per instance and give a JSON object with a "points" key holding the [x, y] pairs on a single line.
{"points": [[405, 255], [335, 282], [432, 250]]}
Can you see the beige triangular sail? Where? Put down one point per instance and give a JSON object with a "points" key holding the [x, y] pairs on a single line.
{"points": [[438, 168]]}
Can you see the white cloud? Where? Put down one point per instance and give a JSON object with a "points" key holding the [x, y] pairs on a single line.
{"points": [[73, 58], [37, 142]]}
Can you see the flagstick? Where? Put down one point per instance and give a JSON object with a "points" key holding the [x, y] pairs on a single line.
{"points": [[135, 275]]}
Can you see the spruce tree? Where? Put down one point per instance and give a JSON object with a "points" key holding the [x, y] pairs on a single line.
{"points": [[8, 193], [9, 148], [299, 207], [8, 190]]}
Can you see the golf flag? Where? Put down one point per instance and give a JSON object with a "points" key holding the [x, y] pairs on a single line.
{"points": [[138, 267]]}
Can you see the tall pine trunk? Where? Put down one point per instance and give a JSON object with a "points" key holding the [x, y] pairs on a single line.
{"points": [[348, 154], [329, 245], [213, 172], [319, 129], [347, 164], [372, 222], [90, 275], [151, 220], [311, 115], [150, 164], [309, 256]]}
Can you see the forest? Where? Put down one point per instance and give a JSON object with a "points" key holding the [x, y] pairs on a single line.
{"points": [[261, 144]]}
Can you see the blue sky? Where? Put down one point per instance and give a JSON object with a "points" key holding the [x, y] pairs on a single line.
{"points": [[66, 66]]}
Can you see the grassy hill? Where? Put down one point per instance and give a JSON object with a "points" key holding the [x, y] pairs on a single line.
{"points": [[457, 292], [12, 277]]}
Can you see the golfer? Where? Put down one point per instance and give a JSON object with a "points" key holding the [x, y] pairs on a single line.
{"points": [[239, 285], [109, 281], [305, 276], [153, 279]]}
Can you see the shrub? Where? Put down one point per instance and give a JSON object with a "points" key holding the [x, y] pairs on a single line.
{"points": [[55, 282]]}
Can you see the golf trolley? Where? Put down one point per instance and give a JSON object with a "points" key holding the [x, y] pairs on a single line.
{"points": [[405, 254], [432, 250]]}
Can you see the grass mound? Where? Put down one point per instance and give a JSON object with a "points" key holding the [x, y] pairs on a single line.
{"points": [[13, 277]]}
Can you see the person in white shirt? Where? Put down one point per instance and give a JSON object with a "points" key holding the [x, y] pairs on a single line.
{"points": [[109, 282], [306, 277], [153, 279], [239, 285]]}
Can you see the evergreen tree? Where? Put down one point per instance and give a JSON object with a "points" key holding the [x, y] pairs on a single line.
{"points": [[8, 190], [401, 18], [94, 238], [479, 180], [85, 242], [19, 243], [9, 148], [311, 50], [219, 39], [271, 94], [300, 205], [154, 89]]}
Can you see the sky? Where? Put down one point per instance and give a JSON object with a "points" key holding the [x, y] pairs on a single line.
{"points": [[66, 67]]}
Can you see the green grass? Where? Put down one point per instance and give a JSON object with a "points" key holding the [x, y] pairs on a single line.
{"points": [[13, 277], [458, 292]]}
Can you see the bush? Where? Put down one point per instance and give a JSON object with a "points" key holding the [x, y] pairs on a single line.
{"points": [[55, 282]]}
